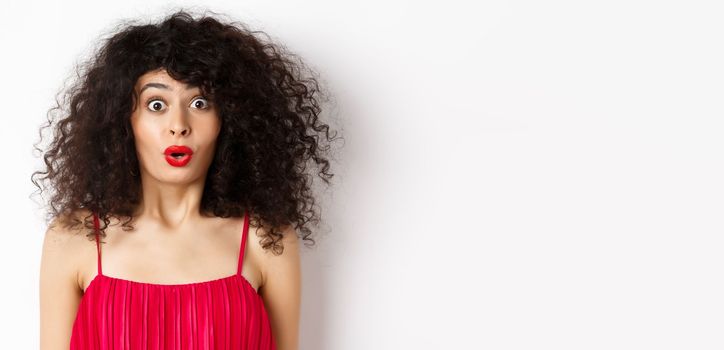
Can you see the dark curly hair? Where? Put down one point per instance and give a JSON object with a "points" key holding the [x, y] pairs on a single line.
{"points": [[269, 110]]}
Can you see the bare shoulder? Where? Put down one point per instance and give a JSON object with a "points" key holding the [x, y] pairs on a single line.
{"points": [[61, 233], [60, 292], [266, 257], [281, 288], [62, 224], [64, 245], [274, 265]]}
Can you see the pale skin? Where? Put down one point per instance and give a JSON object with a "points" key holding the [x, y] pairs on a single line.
{"points": [[172, 243]]}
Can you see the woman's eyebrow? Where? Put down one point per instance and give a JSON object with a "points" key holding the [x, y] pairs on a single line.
{"points": [[161, 86]]}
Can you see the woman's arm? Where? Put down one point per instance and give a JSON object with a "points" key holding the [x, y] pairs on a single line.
{"points": [[281, 291], [59, 290]]}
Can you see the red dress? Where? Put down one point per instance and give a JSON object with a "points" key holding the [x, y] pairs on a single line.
{"points": [[225, 313]]}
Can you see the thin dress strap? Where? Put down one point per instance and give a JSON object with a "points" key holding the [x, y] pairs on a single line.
{"points": [[96, 225], [243, 242]]}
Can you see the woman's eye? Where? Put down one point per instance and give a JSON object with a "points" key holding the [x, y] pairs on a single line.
{"points": [[200, 103], [155, 105]]}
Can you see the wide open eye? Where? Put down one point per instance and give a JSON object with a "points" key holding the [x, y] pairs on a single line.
{"points": [[155, 105], [200, 103]]}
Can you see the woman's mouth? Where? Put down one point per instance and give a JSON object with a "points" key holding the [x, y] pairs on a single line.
{"points": [[178, 156]]}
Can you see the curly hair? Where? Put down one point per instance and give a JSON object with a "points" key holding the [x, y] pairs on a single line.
{"points": [[269, 111]]}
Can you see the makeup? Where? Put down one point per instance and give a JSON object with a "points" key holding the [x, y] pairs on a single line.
{"points": [[178, 156]]}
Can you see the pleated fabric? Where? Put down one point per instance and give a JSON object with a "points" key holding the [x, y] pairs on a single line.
{"points": [[225, 313]]}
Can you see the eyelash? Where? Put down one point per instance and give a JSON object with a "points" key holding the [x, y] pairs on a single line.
{"points": [[155, 98]]}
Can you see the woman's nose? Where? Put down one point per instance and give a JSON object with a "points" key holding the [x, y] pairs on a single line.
{"points": [[179, 124], [180, 130]]}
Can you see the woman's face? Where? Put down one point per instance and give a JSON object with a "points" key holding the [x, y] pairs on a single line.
{"points": [[175, 129]]}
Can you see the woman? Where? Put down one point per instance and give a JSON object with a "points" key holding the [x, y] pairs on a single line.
{"points": [[180, 184]]}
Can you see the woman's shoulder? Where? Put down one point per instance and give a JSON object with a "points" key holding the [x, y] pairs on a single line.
{"points": [[70, 222], [65, 245], [70, 227], [268, 262]]}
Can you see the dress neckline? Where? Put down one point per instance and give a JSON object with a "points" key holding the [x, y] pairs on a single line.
{"points": [[175, 285]]}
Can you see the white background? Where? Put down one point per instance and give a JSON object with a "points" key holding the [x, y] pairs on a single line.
{"points": [[516, 174]]}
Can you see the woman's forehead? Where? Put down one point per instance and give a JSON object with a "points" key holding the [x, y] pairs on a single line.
{"points": [[160, 79]]}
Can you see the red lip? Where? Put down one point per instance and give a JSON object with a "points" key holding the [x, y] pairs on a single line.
{"points": [[185, 157], [178, 149]]}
